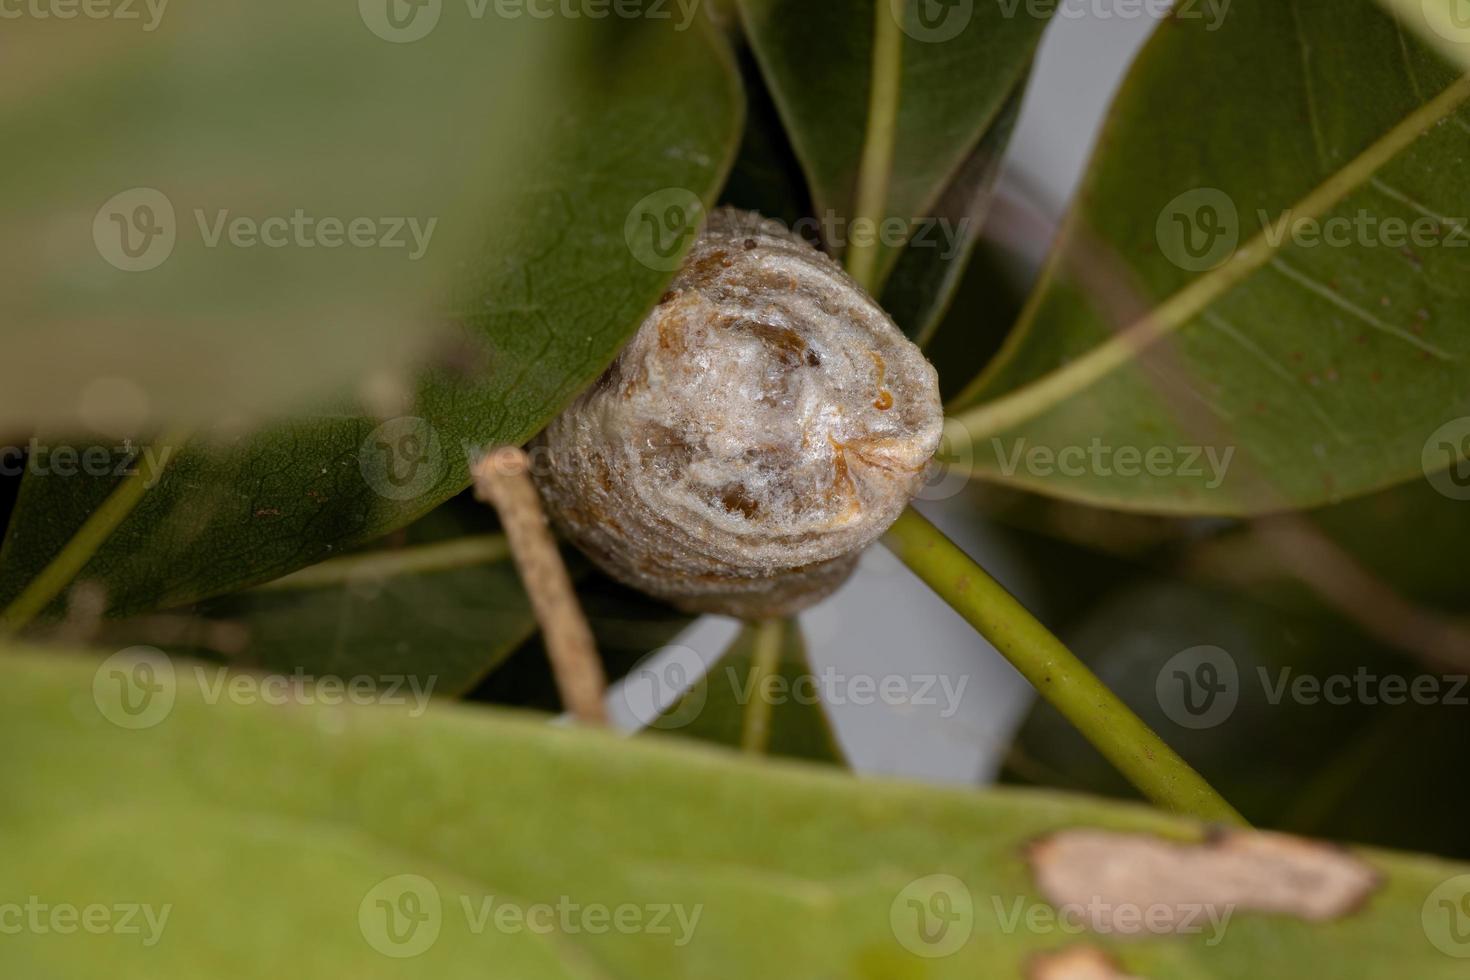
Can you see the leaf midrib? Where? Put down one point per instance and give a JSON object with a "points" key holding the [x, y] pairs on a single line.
{"points": [[1036, 397]]}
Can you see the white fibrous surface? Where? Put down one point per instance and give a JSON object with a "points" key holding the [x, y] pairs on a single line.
{"points": [[765, 425]]}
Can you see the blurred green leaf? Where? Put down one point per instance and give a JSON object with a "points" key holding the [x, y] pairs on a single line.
{"points": [[227, 210], [1285, 355], [367, 842], [565, 275], [741, 691]]}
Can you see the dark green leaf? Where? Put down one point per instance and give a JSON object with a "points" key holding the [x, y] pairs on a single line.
{"points": [[958, 71], [220, 145]]}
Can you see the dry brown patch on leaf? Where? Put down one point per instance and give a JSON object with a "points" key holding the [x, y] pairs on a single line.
{"points": [[1076, 963], [1116, 876]]}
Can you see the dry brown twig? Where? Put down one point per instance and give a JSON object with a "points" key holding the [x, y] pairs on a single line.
{"points": [[502, 479]]}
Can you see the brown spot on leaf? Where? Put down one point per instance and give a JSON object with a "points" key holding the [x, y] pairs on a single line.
{"points": [[1076, 963], [1119, 873]]}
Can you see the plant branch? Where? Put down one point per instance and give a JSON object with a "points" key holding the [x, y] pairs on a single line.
{"points": [[97, 528], [875, 168], [1104, 720], [502, 480], [755, 728]]}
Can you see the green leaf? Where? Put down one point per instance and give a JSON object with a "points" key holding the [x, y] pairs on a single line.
{"points": [[759, 696], [442, 615], [930, 270], [1256, 131], [1345, 746], [304, 822], [234, 148], [563, 280], [955, 75]]}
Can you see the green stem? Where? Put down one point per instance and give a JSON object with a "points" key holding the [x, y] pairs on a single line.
{"points": [[765, 660], [97, 528], [1104, 720], [442, 556], [875, 168]]}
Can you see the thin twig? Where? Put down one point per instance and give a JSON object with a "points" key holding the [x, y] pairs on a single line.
{"points": [[502, 479]]}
